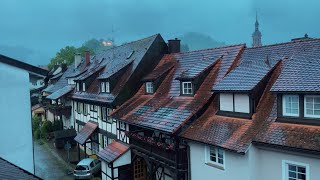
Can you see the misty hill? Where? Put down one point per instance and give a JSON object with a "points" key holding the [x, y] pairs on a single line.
{"points": [[24, 54], [197, 41]]}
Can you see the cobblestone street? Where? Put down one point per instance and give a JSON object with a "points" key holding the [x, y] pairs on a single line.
{"points": [[48, 165]]}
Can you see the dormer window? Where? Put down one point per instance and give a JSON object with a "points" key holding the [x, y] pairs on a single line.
{"points": [[290, 105], [234, 102], [149, 87], [105, 87], [312, 106], [187, 88]]}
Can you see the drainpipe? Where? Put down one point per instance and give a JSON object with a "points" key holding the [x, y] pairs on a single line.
{"points": [[188, 157]]}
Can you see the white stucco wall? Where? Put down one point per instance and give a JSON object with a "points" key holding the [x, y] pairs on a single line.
{"points": [[255, 164], [15, 109], [237, 166], [270, 164]]}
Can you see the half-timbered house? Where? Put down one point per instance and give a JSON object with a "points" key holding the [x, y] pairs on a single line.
{"points": [[111, 78]]}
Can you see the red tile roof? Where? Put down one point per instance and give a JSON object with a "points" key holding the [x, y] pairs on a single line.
{"points": [[113, 151], [291, 135], [86, 132], [166, 110], [296, 73], [235, 134]]}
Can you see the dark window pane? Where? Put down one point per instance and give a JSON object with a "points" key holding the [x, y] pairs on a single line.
{"points": [[292, 174], [302, 176], [292, 168], [220, 161], [301, 169]]}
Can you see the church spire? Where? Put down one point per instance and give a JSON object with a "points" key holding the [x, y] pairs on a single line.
{"points": [[256, 36]]}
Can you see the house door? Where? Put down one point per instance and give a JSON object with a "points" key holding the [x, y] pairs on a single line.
{"points": [[139, 169]]}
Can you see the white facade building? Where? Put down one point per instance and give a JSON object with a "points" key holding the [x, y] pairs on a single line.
{"points": [[257, 163], [16, 126]]}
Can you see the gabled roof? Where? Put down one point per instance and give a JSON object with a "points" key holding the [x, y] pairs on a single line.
{"points": [[235, 134], [125, 57], [113, 151], [22, 65], [302, 72], [196, 69], [63, 80], [166, 110], [251, 73], [86, 132], [11, 171], [61, 92]]}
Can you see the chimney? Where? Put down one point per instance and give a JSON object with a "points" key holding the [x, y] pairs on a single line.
{"points": [[77, 60], [87, 57], [174, 45]]}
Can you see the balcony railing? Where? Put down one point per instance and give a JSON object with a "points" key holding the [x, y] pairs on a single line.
{"points": [[160, 151]]}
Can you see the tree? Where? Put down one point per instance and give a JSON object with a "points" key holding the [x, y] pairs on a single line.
{"points": [[64, 55], [67, 53]]}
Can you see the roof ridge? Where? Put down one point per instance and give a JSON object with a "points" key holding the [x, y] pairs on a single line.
{"points": [[155, 35], [283, 43], [221, 47]]}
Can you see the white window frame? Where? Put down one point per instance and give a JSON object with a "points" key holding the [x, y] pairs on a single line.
{"points": [[284, 113], [78, 86], [285, 169], [84, 86], [209, 161], [107, 87], [109, 119], [85, 109], [149, 87], [103, 87], [313, 109], [185, 90]]}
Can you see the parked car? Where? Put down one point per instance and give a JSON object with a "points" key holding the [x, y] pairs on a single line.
{"points": [[87, 168]]}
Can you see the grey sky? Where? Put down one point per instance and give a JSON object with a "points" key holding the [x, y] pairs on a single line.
{"points": [[41, 27]]}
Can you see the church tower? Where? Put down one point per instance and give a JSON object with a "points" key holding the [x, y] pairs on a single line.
{"points": [[256, 35]]}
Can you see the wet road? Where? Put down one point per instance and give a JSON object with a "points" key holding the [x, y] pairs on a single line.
{"points": [[47, 166]]}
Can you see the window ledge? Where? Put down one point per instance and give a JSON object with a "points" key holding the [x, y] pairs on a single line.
{"points": [[215, 166]]}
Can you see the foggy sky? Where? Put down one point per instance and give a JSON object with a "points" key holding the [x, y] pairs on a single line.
{"points": [[42, 27]]}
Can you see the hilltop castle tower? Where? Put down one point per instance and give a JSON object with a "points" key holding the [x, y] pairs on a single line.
{"points": [[256, 35]]}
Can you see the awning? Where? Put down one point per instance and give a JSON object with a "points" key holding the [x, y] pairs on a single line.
{"points": [[61, 92], [86, 132], [114, 151]]}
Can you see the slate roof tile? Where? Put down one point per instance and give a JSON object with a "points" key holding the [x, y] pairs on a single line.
{"points": [[61, 92], [109, 62], [11, 171]]}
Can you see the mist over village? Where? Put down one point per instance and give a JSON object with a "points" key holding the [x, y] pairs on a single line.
{"points": [[160, 90]]}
